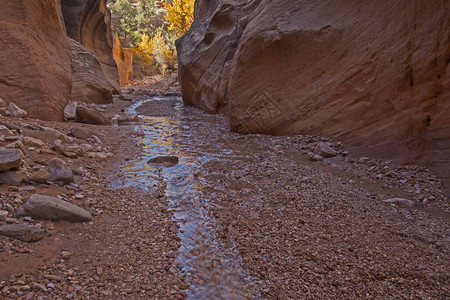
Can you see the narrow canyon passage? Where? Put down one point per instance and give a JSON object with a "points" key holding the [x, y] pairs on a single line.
{"points": [[257, 220]]}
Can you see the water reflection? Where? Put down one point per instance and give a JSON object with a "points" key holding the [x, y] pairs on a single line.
{"points": [[214, 269]]}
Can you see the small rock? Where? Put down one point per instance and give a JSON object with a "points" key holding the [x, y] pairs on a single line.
{"points": [[91, 116], [3, 214], [70, 111], [324, 149], [52, 277], [33, 142], [99, 154], [15, 111], [4, 112], [363, 159], [314, 157], [22, 232], [59, 171], [28, 189], [400, 201], [10, 159], [51, 208], [38, 286], [2, 103], [166, 161], [82, 132], [14, 178], [66, 255], [17, 145], [5, 131], [46, 134], [10, 208], [40, 176]]}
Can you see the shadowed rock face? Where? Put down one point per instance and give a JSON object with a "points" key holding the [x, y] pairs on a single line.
{"points": [[88, 22], [35, 57], [89, 82], [206, 50], [373, 74]]}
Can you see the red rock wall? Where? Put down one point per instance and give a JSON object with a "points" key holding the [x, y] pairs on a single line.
{"points": [[206, 51], [89, 22], [35, 57], [124, 61], [371, 73]]}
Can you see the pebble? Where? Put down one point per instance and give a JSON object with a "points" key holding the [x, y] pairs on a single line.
{"points": [[66, 255], [38, 286]]}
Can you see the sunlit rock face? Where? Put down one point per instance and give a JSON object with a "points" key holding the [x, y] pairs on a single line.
{"points": [[373, 74], [89, 23], [35, 57], [124, 61]]}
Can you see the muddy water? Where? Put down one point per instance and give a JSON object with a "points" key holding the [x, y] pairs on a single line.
{"points": [[168, 128]]}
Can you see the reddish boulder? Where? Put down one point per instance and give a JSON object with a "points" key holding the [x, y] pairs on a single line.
{"points": [[89, 82], [35, 61]]}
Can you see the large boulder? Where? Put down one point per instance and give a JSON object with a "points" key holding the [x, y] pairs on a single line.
{"points": [[306, 67], [89, 23], [51, 208], [89, 82], [35, 57]]}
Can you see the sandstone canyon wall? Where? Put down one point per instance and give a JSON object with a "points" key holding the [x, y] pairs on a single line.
{"points": [[36, 61], [35, 57], [89, 23], [371, 73], [124, 61]]}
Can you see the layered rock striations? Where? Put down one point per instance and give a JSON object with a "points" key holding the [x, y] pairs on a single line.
{"points": [[373, 74], [89, 82], [36, 62], [207, 49], [89, 23], [35, 57]]}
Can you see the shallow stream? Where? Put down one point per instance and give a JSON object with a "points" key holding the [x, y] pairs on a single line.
{"points": [[171, 129]]}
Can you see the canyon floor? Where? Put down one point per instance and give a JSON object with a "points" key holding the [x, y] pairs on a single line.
{"points": [[238, 217]]}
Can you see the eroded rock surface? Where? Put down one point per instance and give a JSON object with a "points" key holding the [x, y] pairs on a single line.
{"points": [[35, 60], [205, 52], [89, 23], [89, 82], [372, 75]]}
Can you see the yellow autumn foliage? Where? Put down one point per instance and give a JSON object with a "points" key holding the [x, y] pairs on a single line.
{"points": [[180, 15], [154, 53]]}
